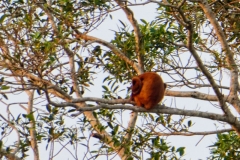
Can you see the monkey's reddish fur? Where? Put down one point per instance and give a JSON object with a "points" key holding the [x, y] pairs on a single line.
{"points": [[147, 89]]}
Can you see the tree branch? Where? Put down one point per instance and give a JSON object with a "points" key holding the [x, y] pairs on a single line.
{"points": [[32, 130], [9, 156], [110, 46], [235, 123], [193, 94], [164, 4], [138, 35], [138, 69], [140, 51], [14, 152], [107, 101], [190, 94], [189, 133], [225, 47], [158, 109]]}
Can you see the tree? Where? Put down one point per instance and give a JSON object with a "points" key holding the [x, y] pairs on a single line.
{"points": [[50, 58]]}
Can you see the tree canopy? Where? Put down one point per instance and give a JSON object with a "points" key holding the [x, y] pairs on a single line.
{"points": [[51, 58]]}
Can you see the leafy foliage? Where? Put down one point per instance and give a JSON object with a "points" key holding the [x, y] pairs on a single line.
{"points": [[226, 147]]}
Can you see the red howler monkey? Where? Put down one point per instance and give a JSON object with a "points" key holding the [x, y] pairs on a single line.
{"points": [[147, 89]]}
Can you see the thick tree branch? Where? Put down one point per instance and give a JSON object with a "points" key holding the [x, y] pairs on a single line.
{"points": [[190, 94], [158, 109], [161, 109]]}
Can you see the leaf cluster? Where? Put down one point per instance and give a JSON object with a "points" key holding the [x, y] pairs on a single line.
{"points": [[227, 147]]}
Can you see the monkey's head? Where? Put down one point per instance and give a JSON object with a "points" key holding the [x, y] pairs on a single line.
{"points": [[136, 85]]}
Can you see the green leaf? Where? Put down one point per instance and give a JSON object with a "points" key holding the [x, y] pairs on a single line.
{"points": [[55, 110], [151, 116], [110, 125], [145, 22], [5, 96], [130, 158], [19, 1], [2, 18], [189, 123], [39, 91], [95, 114], [51, 131], [115, 130], [181, 151], [105, 88], [156, 155], [48, 107], [71, 110], [52, 59], [30, 117], [4, 87], [122, 23], [116, 143], [114, 90]]}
